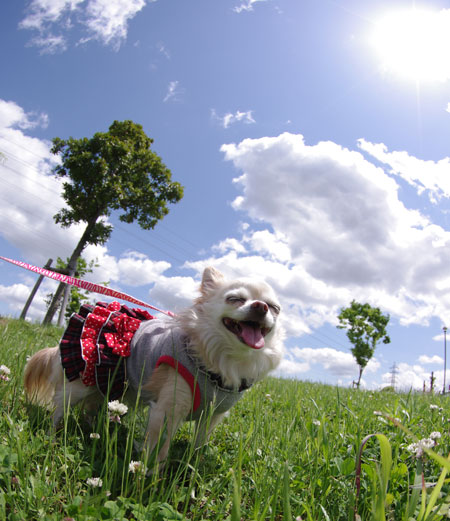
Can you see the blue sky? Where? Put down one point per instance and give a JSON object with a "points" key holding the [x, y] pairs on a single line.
{"points": [[312, 139]]}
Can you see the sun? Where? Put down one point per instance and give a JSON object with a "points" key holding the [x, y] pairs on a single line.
{"points": [[414, 44]]}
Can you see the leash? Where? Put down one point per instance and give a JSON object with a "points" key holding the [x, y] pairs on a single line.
{"points": [[83, 284]]}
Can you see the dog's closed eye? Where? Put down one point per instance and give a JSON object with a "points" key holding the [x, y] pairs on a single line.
{"points": [[275, 309], [234, 299], [238, 300]]}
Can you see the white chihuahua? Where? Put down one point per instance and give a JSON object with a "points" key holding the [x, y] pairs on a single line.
{"points": [[191, 367]]}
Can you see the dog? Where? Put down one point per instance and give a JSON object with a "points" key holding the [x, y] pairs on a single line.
{"points": [[191, 367]]}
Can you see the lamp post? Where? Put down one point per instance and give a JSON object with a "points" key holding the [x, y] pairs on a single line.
{"points": [[445, 355]]}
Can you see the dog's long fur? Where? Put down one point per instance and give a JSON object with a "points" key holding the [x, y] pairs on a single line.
{"points": [[210, 325]]}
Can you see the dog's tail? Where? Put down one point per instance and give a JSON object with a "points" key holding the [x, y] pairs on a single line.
{"points": [[43, 373]]}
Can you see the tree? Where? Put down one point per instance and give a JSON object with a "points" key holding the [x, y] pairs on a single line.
{"points": [[114, 170], [366, 326]]}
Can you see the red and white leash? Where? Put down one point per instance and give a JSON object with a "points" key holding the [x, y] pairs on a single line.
{"points": [[88, 286]]}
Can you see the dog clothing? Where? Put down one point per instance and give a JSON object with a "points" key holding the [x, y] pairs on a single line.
{"points": [[97, 341], [158, 342], [108, 345]]}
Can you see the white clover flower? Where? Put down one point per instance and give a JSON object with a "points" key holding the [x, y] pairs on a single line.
{"points": [[116, 410], [115, 407], [94, 482], [414, 448], [94, 436], [427, 443], [435, 435], [4, 373], [136, 467], [316, 422], [418, 448]]}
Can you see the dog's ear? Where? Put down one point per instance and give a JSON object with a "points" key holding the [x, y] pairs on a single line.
{"points": [[211, 280]]}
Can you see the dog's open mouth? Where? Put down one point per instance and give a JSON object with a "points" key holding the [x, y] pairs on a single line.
{"points": [[250, 333]]}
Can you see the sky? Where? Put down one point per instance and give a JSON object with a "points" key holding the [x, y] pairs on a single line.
{"points": [[312, 140]]}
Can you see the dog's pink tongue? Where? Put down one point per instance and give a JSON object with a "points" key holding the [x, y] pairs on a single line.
{"points": [[252, 336]]}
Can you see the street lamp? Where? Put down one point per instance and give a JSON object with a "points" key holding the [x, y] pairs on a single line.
{"points": [[445, 355]]}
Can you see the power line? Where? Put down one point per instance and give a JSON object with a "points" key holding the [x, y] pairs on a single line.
{"points": [[179, 237], [166, 241], [323, 342]]}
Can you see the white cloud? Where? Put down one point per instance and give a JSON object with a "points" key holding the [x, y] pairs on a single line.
{"points": [[174, 293], [348, 234], [246, 6], [414, 377], [173, 91], [230, 118], [102, 20], [330, 363], [107, 20], [439, 338], [11, 115], [30, 196], [136, 269], [42, 12], [163, 49], [338, 363], [432, 177], [17, 294], [289, 367], [49, 44], [272, 244], [230, 244], [430, 360]]}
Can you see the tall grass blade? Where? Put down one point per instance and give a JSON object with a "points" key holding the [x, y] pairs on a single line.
{"points": [[286, 495], [378, 507]]}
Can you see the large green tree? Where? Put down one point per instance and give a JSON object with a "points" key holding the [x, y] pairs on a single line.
{"points": [[112, 171], [365, 326]]}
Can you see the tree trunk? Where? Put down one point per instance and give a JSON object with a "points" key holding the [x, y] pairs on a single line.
{"points": [[361, 369], [71, 266]]}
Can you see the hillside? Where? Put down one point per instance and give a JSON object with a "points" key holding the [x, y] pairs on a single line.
{"points": [[287, 451]]}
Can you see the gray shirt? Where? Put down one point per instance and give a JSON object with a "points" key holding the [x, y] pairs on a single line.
{"points": [[159, 342]]}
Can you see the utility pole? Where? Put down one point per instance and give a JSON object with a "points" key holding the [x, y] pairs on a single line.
{"points": [[34, 290]]}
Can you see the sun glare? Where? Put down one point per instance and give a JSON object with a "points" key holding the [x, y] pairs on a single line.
{"points": [[415, 44]]}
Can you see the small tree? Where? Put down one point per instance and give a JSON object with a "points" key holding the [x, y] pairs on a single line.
{"points": [[76, 295], [114, 170], [366, 326]]}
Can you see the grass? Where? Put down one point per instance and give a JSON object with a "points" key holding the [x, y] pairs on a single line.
{"points": [[288, 450]]}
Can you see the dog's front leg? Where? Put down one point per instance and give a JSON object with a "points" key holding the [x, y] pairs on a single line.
{"points": [[205, 426], [172, 407]]}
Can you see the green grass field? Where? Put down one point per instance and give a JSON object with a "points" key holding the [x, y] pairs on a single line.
{"points": [[287, 451]]}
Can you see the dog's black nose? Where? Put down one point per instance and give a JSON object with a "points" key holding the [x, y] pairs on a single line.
{"points": [[260, 307]]}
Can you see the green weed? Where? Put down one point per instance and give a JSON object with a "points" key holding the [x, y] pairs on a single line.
{"points": [[289, 450]]}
